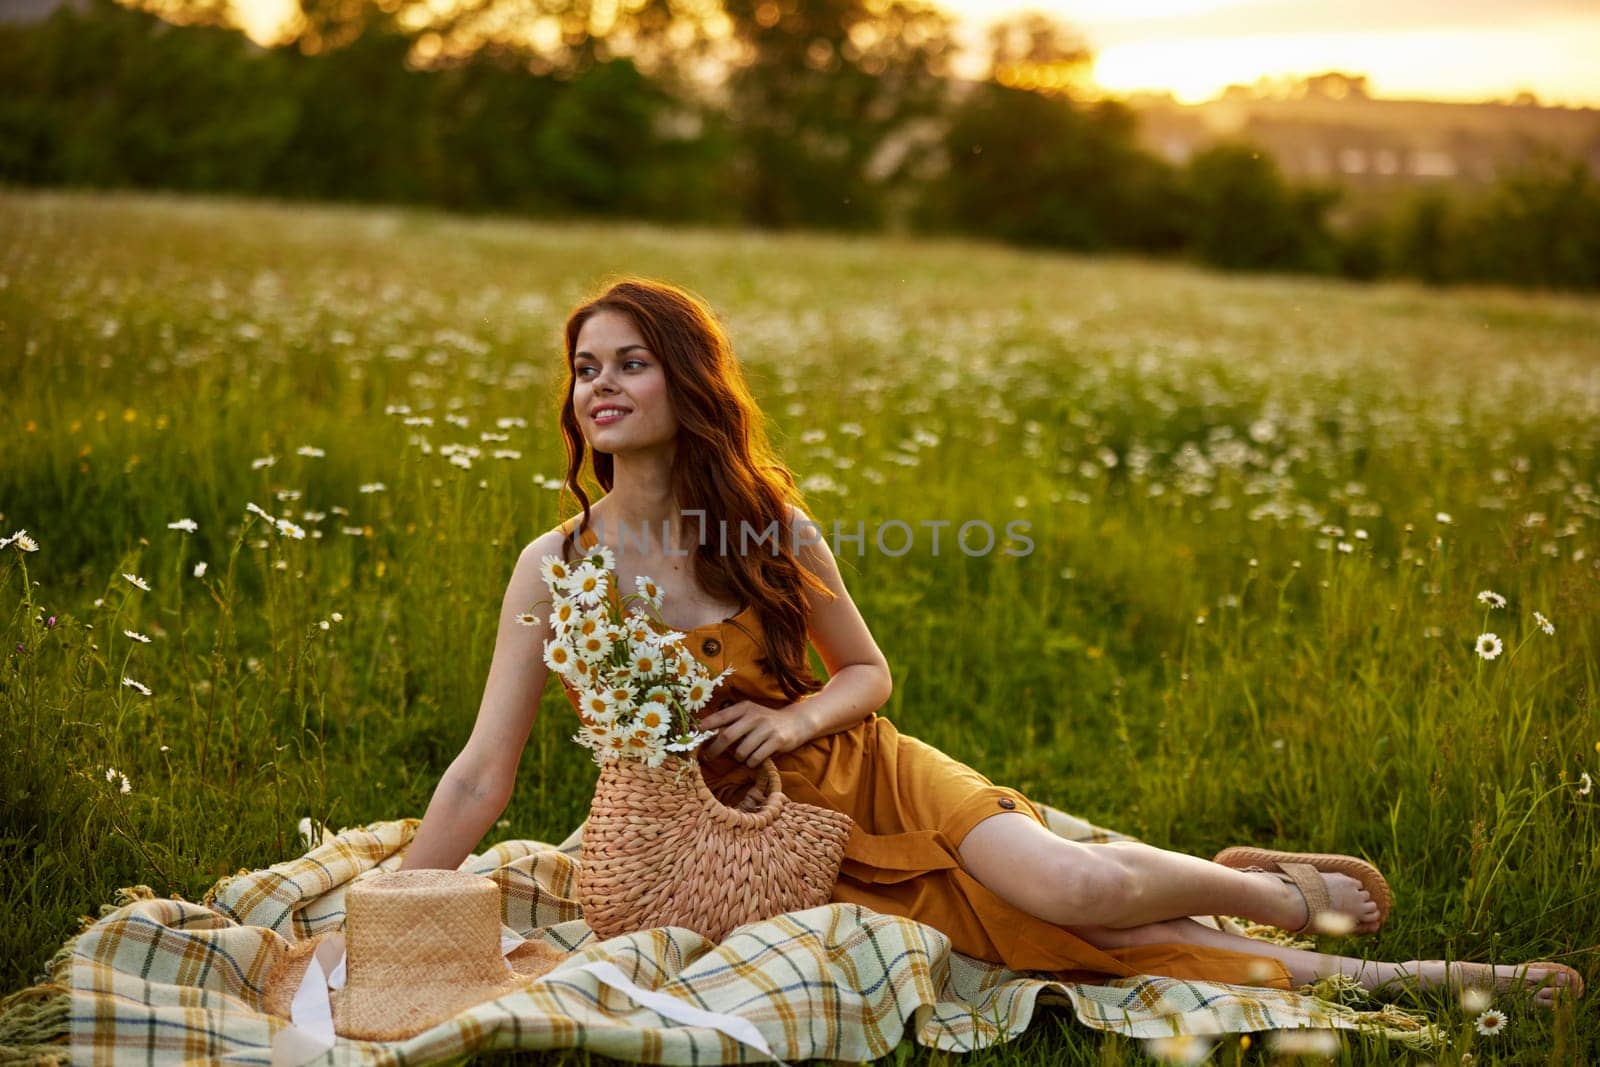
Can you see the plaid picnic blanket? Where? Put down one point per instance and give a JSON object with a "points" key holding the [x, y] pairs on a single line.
{"points": [[169, 981]]}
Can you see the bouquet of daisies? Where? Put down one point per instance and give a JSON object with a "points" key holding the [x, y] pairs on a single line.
{"points": [[640, 690]]}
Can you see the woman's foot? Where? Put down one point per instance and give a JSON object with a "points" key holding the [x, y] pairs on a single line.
{"points": [[1323, 881], [1546, 980], [1347, 908]]}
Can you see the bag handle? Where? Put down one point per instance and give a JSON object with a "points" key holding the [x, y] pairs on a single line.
{"points": [[759, 819]]}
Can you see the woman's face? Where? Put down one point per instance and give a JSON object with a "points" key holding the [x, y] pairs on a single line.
{"points": [[612, 367]]}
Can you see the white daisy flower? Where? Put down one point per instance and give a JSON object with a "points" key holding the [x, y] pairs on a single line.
{"points": [[564, 613], [290, 529], [111, 774], [1544, 624], [372, 487], [22, 541], [139, 637], [690, 742], [1346, 546], [597, 706], [591, 640], [555, 571], [253, 508], [528, 618], [264, 461], [1491, 598], [1585, 784], [607, 559], [1443, 517], [1489, 646], [310, 450], [1475, 999], [138, 581], [131, 684], [648, 589], [588, 585], [127, 786], [336, 617], [200, 569], [559, 657], [186, 525], [1490, 1022], [655, 717]]}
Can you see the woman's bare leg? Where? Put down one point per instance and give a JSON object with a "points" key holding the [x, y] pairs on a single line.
{"points": [[1306, 966], [1124, 883]]}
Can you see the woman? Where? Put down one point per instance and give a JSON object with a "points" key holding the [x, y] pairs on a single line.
{"points": [[655, 391]]}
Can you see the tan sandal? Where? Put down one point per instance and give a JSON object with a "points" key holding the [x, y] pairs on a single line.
{"points": [[1304, 871]]}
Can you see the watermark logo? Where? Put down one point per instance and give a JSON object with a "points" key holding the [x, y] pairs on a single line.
{"points": [[890, 537]]}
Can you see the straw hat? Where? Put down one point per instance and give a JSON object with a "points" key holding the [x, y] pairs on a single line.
{"points": [[421, 946]]}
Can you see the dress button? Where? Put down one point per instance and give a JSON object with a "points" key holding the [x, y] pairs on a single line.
{"points": [[1008, 803], [711, 646]]}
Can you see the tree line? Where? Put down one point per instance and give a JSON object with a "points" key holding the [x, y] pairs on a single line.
{"points": [[837, 114]]}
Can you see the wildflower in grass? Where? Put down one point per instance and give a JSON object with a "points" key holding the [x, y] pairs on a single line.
{"points": [[127, 786], [1489, 646], [186, 525], [136, 686], [264, 461], [138, 581], [1490, 1022], [289, 528], [353, 531], [22, 541], [506, 453], [1361, 535], [323, 624], [1585, 784], [1475, 999], [1346, 546], [1544, 624], [1443, 517], [1182, 1048], [1304, 1042], [336, 616], [252, 507], [310, 450], [372, 487], [1491, 598], [200, 569], [139, 637]]}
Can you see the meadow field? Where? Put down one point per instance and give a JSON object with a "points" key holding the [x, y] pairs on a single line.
{"points": [[1264, 513]]}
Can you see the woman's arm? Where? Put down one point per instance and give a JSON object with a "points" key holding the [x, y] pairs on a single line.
{"points": [[477, 785], [858, 682]]}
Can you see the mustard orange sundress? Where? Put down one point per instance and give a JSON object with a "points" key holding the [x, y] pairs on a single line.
{"points": [[912, 805]]}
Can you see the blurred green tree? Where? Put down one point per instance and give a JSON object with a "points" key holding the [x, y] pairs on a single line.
{"points": [[825, 101], [1246, 217]]}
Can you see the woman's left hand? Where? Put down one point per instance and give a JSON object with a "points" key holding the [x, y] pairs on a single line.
{"points": [[753, 731]]}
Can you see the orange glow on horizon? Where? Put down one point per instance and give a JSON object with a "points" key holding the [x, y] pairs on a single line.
{"points": [[1194, 49]]}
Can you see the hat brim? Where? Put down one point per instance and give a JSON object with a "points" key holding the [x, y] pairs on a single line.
{"points": [[394, 1013]]}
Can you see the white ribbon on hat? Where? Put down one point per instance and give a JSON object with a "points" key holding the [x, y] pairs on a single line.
{"points": [[741, 1030], [310, 1031]]}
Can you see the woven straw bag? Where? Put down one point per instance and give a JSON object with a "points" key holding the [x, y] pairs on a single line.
{"points": [[660, 850]]}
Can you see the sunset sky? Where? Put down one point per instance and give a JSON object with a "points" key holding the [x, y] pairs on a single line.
{"points": [[1442, 49]]}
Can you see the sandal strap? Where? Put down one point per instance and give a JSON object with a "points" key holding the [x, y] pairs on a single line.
{"points": [[1309, 881]]}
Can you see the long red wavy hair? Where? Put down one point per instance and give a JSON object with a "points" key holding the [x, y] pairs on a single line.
{"points": [[723, 466]]}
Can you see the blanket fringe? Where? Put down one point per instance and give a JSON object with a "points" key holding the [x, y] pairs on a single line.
{"points": [[33, 1024], [1340, 994]]}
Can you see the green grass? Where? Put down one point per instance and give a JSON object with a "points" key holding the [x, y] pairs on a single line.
{"points": [[1185, 654]]}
